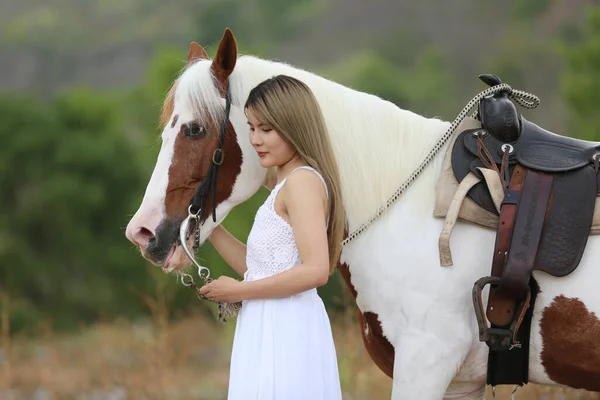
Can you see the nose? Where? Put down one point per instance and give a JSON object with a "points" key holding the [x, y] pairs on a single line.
{"points": [[141, 229], [139, 235], [254, 139]]}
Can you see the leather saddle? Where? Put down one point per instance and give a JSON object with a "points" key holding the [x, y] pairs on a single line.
{"points": [[550, 185]]}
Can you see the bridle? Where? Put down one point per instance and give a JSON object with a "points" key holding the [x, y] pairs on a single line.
{"points": [[195, 209], [210, 180]]}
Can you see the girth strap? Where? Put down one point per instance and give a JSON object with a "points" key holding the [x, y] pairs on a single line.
{"points": [[529, 222], [520, 226]]}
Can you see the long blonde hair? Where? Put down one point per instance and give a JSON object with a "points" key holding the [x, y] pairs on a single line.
{"points": [[290, 107]]}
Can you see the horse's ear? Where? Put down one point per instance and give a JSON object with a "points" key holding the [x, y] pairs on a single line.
{"points": [[224, 61], [196, 53]]}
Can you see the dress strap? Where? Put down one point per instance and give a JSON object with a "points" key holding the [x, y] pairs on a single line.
{"points": [[313, 170], [280, 185]]}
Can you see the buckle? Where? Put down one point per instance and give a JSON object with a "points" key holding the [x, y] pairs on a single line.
{"points": [[497, 339], [218, 156]]}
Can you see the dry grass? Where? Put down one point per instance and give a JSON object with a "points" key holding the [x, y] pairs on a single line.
{"points": [[186, 359]]}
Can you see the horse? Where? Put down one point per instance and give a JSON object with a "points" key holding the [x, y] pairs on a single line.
{"points": [[416, 317]]}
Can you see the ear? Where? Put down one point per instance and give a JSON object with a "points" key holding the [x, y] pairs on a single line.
{"points": [[224, 61], [196, 53]]}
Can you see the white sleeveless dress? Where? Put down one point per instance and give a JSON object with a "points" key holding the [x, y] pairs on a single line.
{"points": [[283, 348]]}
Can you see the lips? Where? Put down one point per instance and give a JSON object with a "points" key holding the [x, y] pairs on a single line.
{"points": [[165, 264], [261, 154]]}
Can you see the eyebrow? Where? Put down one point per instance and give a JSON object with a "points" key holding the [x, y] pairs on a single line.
{"points": [[261, 124]]}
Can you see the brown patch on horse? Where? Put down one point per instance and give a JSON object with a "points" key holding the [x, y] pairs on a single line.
{"points": [[193, 157], [345, 273], [379, 348], [196, 53], [225, 59], [571, 355], [168, 107], [190, 165]]}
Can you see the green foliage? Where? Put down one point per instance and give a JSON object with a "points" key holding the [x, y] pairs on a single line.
{"points": [[423, 86], [144, 103], [516, 61], [257, 24], [581, 83], [529, 9], [69, 179]]}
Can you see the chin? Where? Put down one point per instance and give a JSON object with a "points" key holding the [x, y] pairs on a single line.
{"points": [[178, 261], [266, 163]]}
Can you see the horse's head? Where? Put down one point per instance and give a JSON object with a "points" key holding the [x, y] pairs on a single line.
{"points": [[196, 125]]}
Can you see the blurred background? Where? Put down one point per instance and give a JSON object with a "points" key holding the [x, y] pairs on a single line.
{"points": [[82, 315]]}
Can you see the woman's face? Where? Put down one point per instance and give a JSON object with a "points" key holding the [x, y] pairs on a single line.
{"points": [[272, 150]]}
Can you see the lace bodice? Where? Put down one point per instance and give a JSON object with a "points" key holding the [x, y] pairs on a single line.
{"points": [[271, 247]]}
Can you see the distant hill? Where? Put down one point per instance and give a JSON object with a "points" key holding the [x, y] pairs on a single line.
{"points": [[50, 44]]}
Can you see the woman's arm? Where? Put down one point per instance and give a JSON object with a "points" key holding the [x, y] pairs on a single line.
{"points": [[305, 202], [232, 250]]}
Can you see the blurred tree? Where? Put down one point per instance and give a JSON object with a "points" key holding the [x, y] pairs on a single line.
{"points": [[424, 86], [529, 9], [515, 61], [143, 104], [69, 178], [581, 83], [256, 24]]}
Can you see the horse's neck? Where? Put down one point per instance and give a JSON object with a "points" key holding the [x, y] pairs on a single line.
{"points": [[377, 151], [377, 145]]}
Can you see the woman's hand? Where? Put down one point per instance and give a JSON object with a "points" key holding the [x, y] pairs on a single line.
{"points": [[223, 290]]}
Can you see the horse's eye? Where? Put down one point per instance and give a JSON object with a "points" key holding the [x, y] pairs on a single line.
{"points": [[195, 131]]}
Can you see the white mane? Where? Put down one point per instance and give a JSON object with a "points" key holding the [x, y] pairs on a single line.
{"points": [[377, 144]]}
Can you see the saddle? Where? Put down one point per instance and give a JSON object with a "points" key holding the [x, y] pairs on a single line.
{"points": [[549, 184]]}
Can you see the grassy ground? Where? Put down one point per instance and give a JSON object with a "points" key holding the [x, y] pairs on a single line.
{"points": [[187, 359]]}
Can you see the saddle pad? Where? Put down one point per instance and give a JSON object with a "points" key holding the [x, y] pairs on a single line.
{"points": [[470, 211]]}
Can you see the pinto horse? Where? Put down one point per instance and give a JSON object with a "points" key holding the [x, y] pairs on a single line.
{"points": [[416, 317]]}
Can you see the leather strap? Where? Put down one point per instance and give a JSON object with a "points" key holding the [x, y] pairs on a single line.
{"points": [[209, 183], [452, 216], [527, 231], [520, 227], [500, 308]]}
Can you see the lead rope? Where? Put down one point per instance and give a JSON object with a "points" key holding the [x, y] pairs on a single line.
{"points": [[524, 99], [226, 310]]}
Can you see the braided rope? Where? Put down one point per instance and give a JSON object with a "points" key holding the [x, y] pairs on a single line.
{"points": [[524, 99]]}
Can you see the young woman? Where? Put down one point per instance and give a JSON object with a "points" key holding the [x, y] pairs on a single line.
{"points": [[283, 346]]}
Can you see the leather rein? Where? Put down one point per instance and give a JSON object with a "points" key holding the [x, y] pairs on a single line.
{"points": [[209, 183]]}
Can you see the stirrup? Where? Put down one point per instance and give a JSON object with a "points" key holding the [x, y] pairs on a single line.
{"points": [[497, 339], [514, 391]]}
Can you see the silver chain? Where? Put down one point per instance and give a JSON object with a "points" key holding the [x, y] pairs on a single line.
{"points": [[524, 99], [226, 310]]}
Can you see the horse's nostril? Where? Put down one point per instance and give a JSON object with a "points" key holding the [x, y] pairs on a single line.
{"points": [[146, 234]]}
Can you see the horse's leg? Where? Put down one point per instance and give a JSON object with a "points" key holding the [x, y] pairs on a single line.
{"points": [[465, 391], [426, 362]]}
